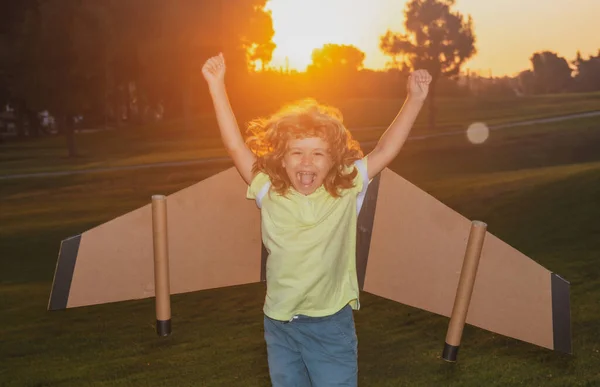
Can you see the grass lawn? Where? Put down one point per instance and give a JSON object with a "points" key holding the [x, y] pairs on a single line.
{"points": [[537, 188], [171, 142]]}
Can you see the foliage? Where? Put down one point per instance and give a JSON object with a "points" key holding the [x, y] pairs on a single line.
{"points": [[438, 39], [587, 72]]}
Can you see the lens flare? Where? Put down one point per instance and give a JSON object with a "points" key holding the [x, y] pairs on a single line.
{"points": [[478, 132]]}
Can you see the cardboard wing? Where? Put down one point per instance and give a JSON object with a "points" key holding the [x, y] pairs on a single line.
{"points": [[213, 241], [410, 249]]}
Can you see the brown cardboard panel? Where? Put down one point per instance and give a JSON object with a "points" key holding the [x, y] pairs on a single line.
{"points": [[416, 255], [214, 241], [512, 295]]}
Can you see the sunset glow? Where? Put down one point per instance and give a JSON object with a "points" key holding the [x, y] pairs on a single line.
{"points": [[302, 26], [508, 31]]}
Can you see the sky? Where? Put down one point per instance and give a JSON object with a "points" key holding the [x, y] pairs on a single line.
{"points": [[508, 32]]}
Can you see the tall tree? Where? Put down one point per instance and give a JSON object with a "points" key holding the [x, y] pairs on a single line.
{"points": [[13, 39], [180, 36], [62, 54], [552, 74], [337, 57], [257, 40], [70, 63], [124, 57], [587, 73], [437, 39], [526, 82], [334, 69]]}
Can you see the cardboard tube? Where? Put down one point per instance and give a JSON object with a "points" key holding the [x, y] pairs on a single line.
{"points": [[161, 265], [464, 290]]}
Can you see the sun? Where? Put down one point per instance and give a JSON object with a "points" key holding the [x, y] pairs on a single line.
{"points": [[304, 25]]}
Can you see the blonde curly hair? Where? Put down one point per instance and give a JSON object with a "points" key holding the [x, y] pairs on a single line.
{"points": [[269, 137]]}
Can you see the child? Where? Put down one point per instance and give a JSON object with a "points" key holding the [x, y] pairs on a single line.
{"points": [[309, 176]]}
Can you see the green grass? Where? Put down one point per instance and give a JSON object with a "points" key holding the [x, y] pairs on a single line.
{"points": [[171, 142], [453, 113], [537, 188]]}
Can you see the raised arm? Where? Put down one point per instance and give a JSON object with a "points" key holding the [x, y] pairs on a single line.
{"points": [[243, 158], [395, 136]]}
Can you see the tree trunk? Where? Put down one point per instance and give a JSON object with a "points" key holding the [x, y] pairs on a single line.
{"points": [[33, 122], [69, 131], [117, 107], [188, 106], [432, 107], [127, 97], [20, 120]]}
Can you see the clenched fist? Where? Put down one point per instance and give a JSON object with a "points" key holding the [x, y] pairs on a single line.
{"points": [[214, 70], [418, 84]]}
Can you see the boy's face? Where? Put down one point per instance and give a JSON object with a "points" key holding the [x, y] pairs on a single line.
{"points": [[307, 163]]}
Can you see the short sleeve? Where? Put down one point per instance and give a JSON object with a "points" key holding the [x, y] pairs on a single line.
{"points": [[256, 185], [360, 178]]}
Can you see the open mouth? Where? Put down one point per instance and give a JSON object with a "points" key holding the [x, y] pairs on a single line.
{"points": [[306, 178]]}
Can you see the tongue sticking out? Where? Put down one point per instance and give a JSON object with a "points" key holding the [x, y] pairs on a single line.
{"points": [[307, 178]]}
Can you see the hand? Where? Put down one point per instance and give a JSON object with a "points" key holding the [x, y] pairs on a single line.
{"points": [[418, 85], [214, 70]]}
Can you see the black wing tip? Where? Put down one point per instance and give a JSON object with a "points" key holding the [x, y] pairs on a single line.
{"points": [[561, 314], [63, 276]]}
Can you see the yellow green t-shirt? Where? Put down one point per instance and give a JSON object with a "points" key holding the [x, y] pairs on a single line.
{"points": [[311, 241]]}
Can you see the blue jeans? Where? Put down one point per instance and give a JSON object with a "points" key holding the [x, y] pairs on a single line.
{"points": [[313, 351]]}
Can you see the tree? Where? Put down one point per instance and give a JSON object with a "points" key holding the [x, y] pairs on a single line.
{"points": [[551, 73], [437, 40], [587, 73], [69, 63], [106, 58], [257, 41], [526, 82], [262, 53], [54, 63], [337, 57], [334, 69], [183, 34], [14, 15]]}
